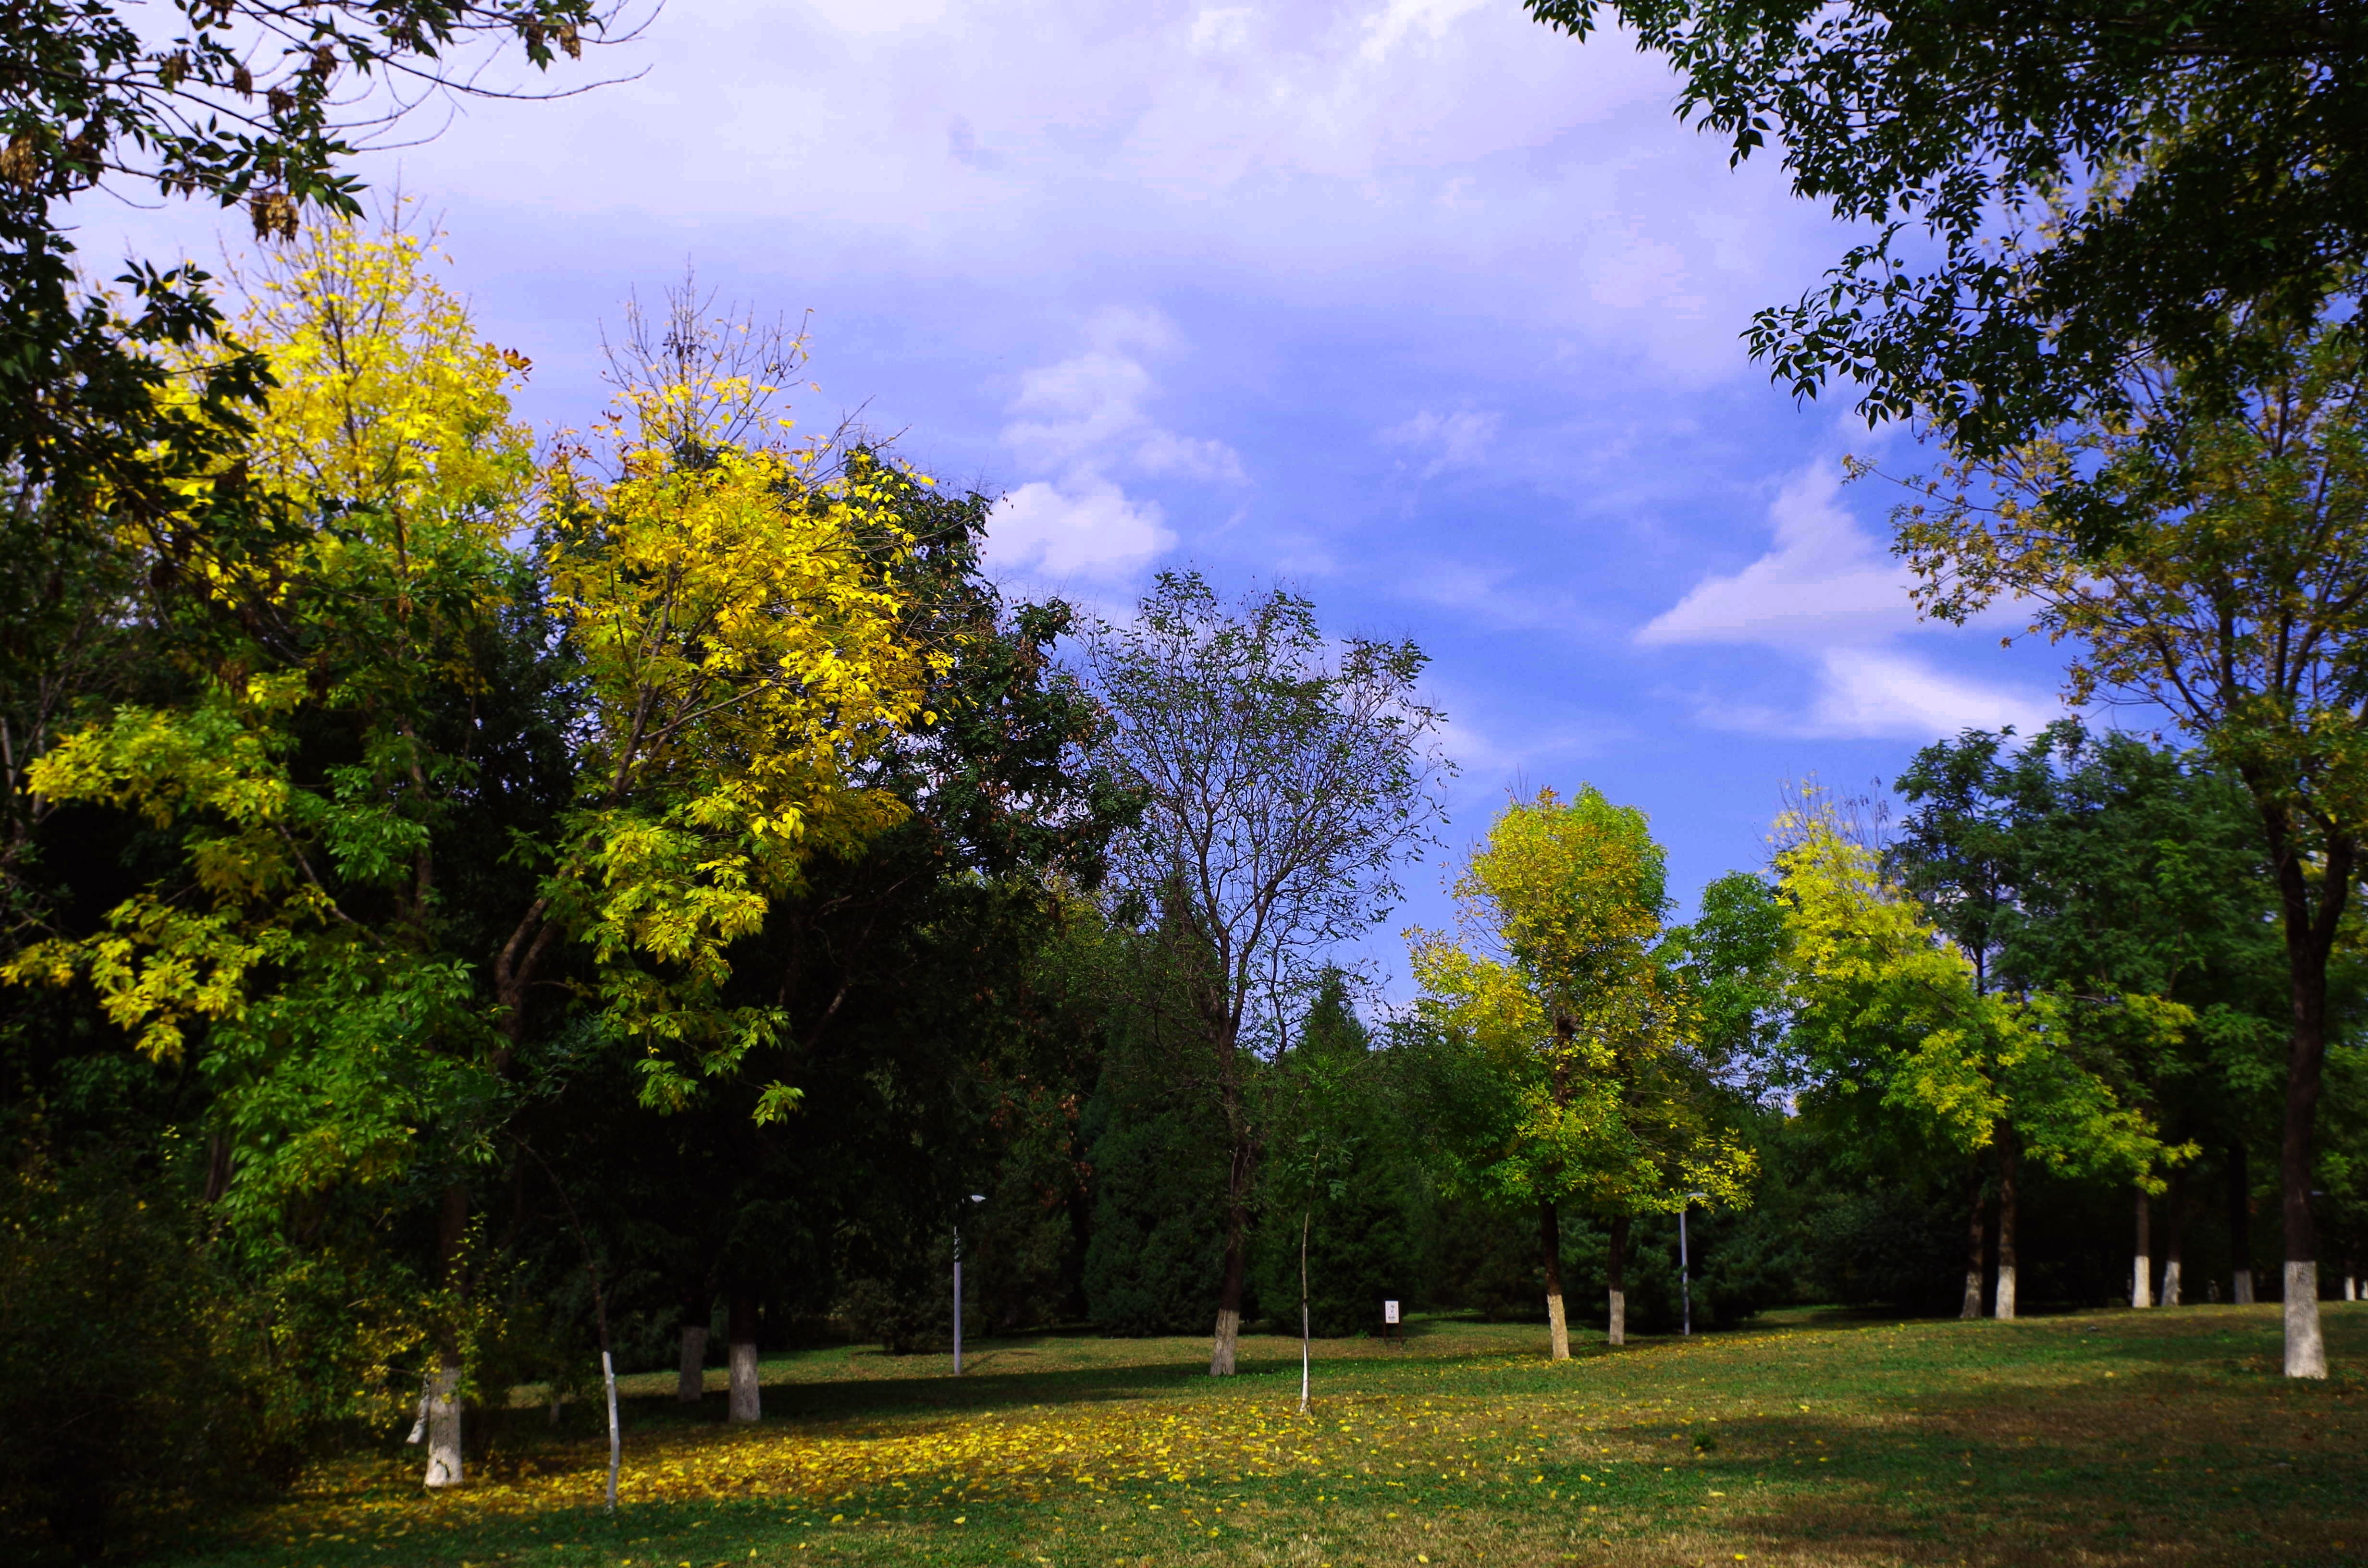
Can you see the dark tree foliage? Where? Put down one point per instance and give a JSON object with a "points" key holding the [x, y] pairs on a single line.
{"points": [[2051, 185], [2102, 864], [938, 1042], [1343, 1161]]}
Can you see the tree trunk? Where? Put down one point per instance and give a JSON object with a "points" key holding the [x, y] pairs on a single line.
{"points": [[443, 1401], [2310, 933], [690, 1376], [1306, 1218], [2174, 1241], [2240, 1228], [1977, 1243], [741, 1328], [1617, 1260], [2003, 1303], [2305, 1062], [1227, 1340], [444, 1424], [1550, 1249], [2142, 1273]]}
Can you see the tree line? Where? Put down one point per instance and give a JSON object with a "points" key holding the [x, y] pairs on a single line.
{"points": [[480, 911]]}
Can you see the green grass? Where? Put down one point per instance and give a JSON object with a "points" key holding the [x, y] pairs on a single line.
{"points": [[1813, 1438]]}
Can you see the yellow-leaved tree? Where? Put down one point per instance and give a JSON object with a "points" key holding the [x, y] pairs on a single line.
{"points": [[1587, 1087], [460, 742], [738, 627]]}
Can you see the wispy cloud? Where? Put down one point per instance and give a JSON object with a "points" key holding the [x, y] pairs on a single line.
{"points": [[1831, 598], [1459, 439], [1824, 580], [1085, 421]]}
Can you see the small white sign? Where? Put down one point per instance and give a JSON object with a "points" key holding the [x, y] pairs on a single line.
{"points": [[1389, 1311]]}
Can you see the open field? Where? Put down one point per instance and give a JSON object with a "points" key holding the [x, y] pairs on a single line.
{"points": [[2114, 1437]]}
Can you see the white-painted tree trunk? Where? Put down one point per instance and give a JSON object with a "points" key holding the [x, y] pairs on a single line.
{"points": [[690, 1378], [1550, 1251], [1616, 1261], [1306, 1218], [2170, 1283], [444, 1426], [2306, 1349], [2243, 1293], [740, 1325], [2142, 1272], [616, 1438], [747, 1404], [2010, 1216], [2350, 1287]]}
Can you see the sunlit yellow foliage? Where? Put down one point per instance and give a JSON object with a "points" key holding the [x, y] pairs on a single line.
{"points": [[1557, 983], [739, 627], [1892, 1007]]}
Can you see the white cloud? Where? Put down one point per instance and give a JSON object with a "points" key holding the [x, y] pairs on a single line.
{"points": [[1823, 579], [1400, 19], [1088, 414], [1454, 440], [1829, 596], [1086, 421], [1092, 530], [1869, 691]]}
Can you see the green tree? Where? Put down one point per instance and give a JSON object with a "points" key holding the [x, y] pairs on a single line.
{"points": [[2102, 865], [1283, 774], [1327, 1159], [1560, 995], [2049, 185], [2229, 595], [1889, 1014]]}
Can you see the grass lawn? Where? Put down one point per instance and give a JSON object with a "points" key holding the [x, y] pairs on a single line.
{"points": [[2113, 1437]]}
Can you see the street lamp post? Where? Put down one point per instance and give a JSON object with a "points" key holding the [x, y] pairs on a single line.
{"points": [[1685, 1266], [975, 1197]]}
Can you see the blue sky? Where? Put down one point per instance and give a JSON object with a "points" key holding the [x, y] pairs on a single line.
{"points": [[1412, 304]]}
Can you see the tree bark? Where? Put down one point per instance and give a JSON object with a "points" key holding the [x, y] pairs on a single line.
{"points": [[444, 1424], [1976, 1245], [2003, 1303], [2240, 1227], [443, 1401], [1227, 1342], [1550, 1250], [1617, 1261], [2305, 1064], [2310, 933], [2142, 1271], [690, 1378], [1306, 1218], [742, 1327], [2174, 1247]]}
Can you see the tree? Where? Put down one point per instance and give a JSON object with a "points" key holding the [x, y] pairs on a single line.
{"points": [[1890, 1013], [2232, 593], [2050, 185], [359, 912], [2101, 865], [245, 103], [1323, 1114], [1282, 776], [1561, 990]]}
